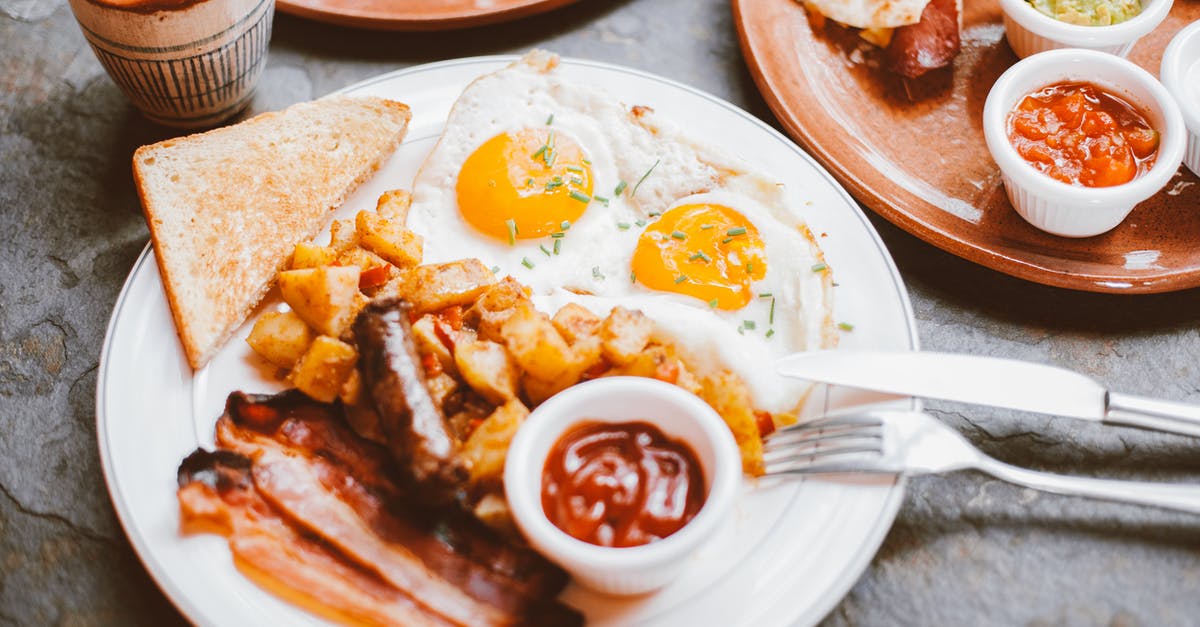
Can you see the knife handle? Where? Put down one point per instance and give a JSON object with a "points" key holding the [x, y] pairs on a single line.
{"points": [[1153, 414]]}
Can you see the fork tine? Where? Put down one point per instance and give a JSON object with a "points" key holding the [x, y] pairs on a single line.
{"points": [[791, 439], [833, 421], [826, 448]]}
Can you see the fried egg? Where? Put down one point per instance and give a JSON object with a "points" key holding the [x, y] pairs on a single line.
{"points": [[588, 201]]}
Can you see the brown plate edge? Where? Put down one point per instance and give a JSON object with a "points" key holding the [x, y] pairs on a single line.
{"points": [[413, 21], [765, 80]]}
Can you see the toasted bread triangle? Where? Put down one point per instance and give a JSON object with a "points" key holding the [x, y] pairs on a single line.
{"points": [[226, 207]]}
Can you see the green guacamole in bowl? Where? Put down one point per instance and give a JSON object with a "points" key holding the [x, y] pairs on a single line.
{"points": [[1089, 12]]}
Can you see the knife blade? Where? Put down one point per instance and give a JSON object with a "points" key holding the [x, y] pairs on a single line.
{"points": [[991, 381]]}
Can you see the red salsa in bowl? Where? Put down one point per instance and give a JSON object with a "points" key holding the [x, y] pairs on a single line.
{"points": [[621, 484], [1081, 135]]}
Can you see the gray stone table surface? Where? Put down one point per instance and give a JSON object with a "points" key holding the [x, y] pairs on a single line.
{"points": [[965, 550]]}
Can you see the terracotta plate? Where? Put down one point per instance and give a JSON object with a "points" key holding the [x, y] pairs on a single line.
{"points": [[416, 14], [913, 151]]}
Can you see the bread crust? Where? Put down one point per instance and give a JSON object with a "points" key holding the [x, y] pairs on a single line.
{"points": [[225, 207]]}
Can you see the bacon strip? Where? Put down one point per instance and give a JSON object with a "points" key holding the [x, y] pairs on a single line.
{"points": [[217, 494], [315, 480], [931, 43]]}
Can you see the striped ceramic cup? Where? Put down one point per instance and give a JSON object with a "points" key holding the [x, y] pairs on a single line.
{"points": [[184, 63]]}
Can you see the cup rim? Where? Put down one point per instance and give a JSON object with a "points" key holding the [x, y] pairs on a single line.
{"points": [[1105, 70], [557, 416]]}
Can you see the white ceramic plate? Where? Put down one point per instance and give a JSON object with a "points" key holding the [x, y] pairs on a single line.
{"points": [[792, 550]]}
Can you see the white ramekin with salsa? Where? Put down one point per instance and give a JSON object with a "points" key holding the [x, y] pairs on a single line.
{"points": [[1112, 26], [1081, 137], [620, 479]]}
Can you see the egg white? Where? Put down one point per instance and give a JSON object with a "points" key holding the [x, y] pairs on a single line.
{"points": [[592, 267]]}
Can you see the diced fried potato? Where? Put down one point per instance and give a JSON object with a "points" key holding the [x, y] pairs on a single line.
{"points": [[487, 447], [352, 388], [393, 205], [727, 394], [488, 369], [492, 510], [364, 259], [342, 235], [537, 346], [435, 287], [428, 342], [653, 362], [324, 368], [280, 338], [625, 334], [574, 321], [494, 307], [398, 245], [538, 390], [440, 387], [588, 353], [327, 298], [309, 255], [687, 380]]}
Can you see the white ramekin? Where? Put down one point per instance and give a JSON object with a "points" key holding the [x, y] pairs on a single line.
{"points": [[1069, 210], [1030, 31], [1180, 72], [680, 415]]}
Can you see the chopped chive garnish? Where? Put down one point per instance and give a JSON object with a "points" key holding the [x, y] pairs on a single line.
{"points": [[564, 225], [600, 199], [749, 267], [620, 188], [770, 332], [575, 180], [727, 240], [749, 324], [624, 226], [512, 231], [544, 249], [596, 273], [550, 157], [818, 267], [737, 230], [640, 222], [654, 214], [705, 227], [526, 262], [554, 183], [495, 269], [541, 151], [587, 161], [713, 303], [574, 168], [633, 277], [835, 284], [765, 295], [678, 234], [580, 196], [845, 326], [643, 179], [557, 246], [558, 235], [771, 316], [700, 255], [550, 120], [680, 279], [741, 331], [529, 181]]}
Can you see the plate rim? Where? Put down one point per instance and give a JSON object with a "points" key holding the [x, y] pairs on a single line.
{"points": [[412, 20], [769, 86], [840, 586]]}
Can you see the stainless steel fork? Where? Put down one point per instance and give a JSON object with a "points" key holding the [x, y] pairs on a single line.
{"points": [[915, 443]]}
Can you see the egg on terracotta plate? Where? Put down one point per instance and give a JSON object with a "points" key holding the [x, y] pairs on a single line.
{"points": [[589, 201]]}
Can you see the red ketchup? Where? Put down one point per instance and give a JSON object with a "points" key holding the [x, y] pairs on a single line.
{"points": [[621, 485]]}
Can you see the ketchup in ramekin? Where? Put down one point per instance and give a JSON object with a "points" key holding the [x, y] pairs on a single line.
{"points": [[621, 484], [1082, 135]]}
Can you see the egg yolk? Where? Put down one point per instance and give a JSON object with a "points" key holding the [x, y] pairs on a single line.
{"points": [[524, 184], [710, 252]]}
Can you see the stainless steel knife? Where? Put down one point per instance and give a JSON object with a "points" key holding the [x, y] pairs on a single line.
{"points": [[992, 381]]}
